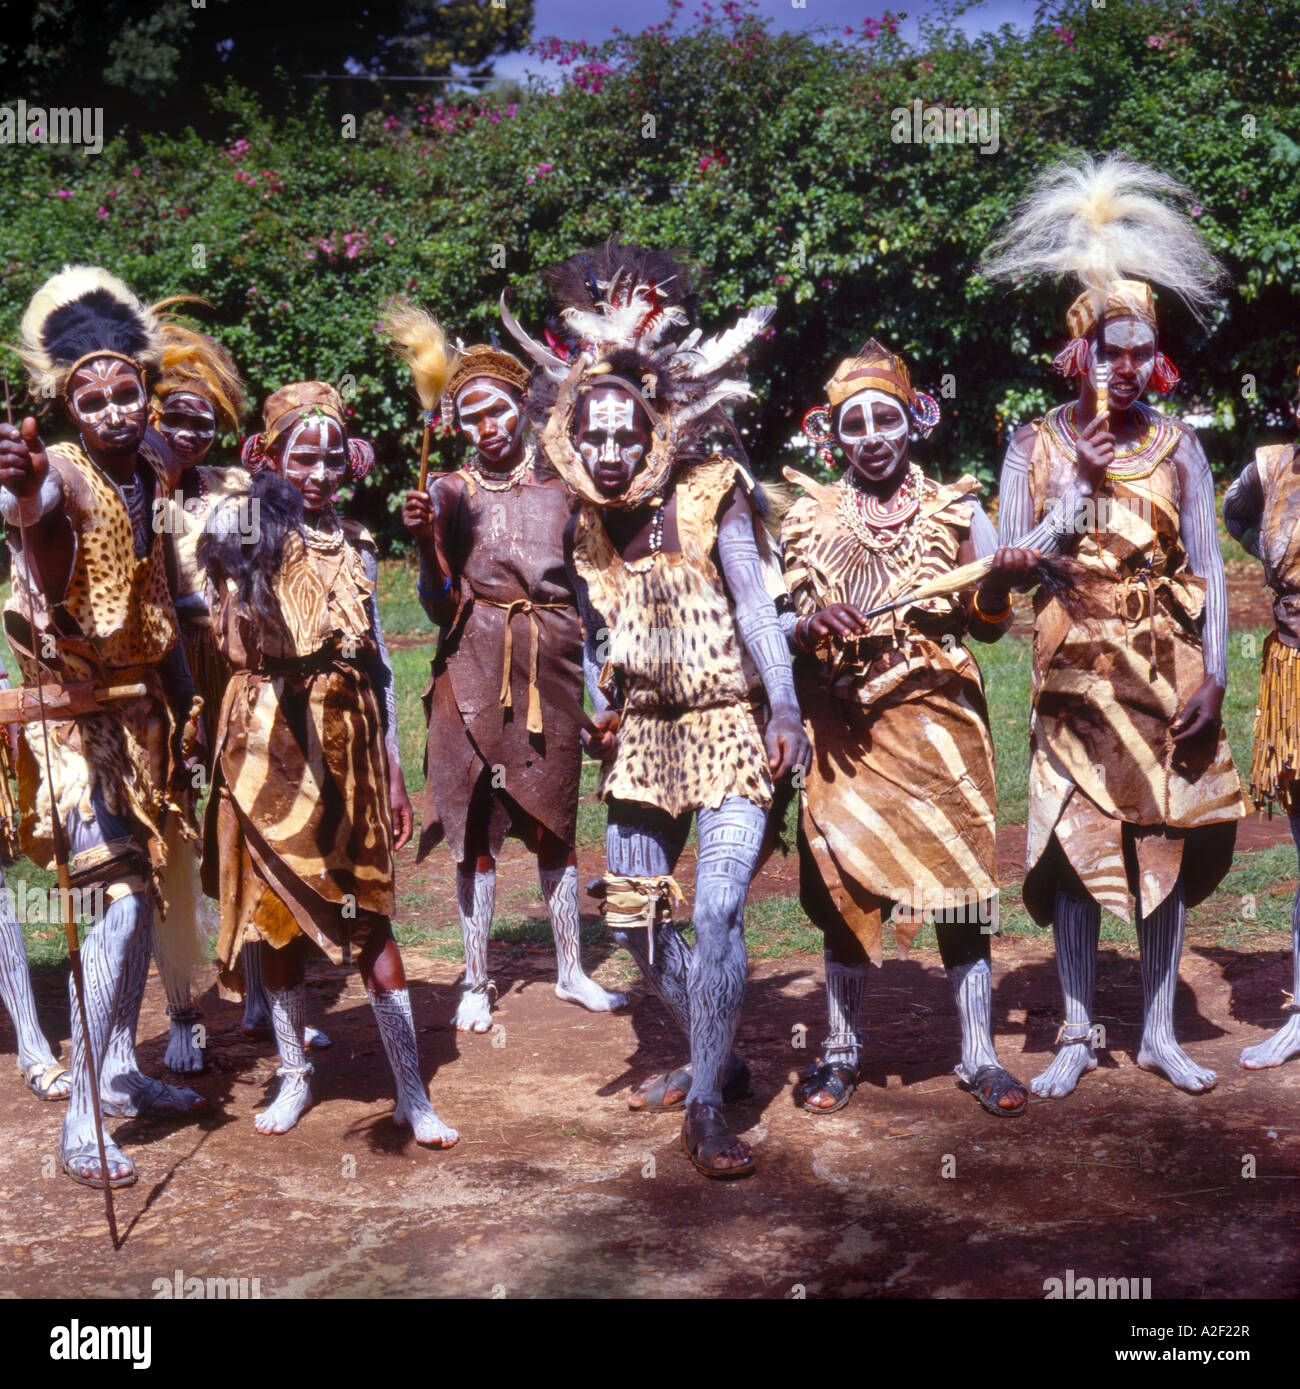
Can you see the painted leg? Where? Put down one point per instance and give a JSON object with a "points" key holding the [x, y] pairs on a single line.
{"points": [[124, 1090], [103, 959], [1160, 942], [730, 840], [1076, 925], [293, 1099], [829, 1083], [560, 891], [964, 948], [1285, 1042], [40, 1067], [476, 896], [397, 1032], [651, 850], [257, 1003]]}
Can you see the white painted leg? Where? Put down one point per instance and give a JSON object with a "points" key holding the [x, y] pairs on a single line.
{"points": [[397, 1032], [293, 1099], [1076, 925], [560, 891], [1160, 941], [476, 899]]}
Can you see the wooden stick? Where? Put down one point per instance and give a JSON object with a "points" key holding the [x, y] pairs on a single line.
{"points": [[423, 484], [65, 880]]}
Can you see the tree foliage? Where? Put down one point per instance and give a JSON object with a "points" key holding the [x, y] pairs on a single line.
{"points": [[770, 159]]}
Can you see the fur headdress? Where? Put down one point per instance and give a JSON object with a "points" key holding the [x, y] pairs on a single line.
{"points": [[82, 312], [193, 363], [627, 316]]}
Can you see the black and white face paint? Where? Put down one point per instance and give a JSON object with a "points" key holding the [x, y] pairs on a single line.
{"points": [[612, 438], [1131, 356], [189, 424], [490, 417], [107, 403], [315, 459], [872, 429]]}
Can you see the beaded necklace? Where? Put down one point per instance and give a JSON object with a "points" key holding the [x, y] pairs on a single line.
{"points": [[1134, 461], [497, 483], [883, 528]]}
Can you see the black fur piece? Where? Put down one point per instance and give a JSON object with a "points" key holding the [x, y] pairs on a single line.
{"points": [[276, 508], [570, 283], [97, 322]]}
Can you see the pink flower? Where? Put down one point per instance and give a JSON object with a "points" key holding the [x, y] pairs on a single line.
{"points": [[63, 193], [101, 212], [136, 172]]}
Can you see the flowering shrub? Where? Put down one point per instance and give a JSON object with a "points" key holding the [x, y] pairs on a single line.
{"points": [[767, 156]]}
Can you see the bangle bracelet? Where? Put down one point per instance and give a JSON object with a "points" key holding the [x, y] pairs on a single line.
{"points": [[433, 593], [991, 618], [799, 629]]}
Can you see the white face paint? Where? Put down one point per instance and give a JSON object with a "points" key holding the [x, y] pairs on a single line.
{"points": [[607, 441], [490, 417], [872, 430], [109, 401], [1136, 339], [315, 459]]}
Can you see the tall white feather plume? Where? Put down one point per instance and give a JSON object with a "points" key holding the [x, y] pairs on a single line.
{"points": [[1103, 222]]}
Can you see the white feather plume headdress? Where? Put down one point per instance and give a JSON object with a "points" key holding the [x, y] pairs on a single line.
{"points": [[82, 311], [1105, 223]]}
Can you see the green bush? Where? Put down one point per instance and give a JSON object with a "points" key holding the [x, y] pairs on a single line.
{"points": [[766, 156]]}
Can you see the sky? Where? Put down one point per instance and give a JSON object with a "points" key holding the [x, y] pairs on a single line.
{"points": [[583, 19]]}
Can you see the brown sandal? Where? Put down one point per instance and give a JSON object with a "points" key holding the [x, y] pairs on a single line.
{"points": [[711, 1137]]}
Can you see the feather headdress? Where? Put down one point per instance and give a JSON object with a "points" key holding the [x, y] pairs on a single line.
{"points": [[81, 312], [628, 315], [1107, 222], [192, 362], [1111, 226], [419, 340]]}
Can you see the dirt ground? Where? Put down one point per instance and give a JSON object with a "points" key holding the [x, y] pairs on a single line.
{"points": [[556, 1189]]}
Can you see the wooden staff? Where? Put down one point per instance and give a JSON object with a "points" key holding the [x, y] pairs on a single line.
{"points": [[61, 867]]}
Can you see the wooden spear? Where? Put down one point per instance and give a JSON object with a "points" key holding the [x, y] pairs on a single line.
{"points": [[61, 867]]}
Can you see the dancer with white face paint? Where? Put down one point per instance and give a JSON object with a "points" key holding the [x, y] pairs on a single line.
{"points": [[308, 803], [1262, 511], [682, 644], [117, 773], [505, 696], [897, 811], [1133, 795], [199, 394]]}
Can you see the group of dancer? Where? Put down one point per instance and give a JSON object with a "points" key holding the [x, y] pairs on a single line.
{"points": [[738, 642]]}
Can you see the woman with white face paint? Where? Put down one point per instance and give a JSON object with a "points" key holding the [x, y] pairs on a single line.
{"points": [[1133, 796], [897, 812], [505, 695], [198, 395], [308, 805], [1262, 511]]}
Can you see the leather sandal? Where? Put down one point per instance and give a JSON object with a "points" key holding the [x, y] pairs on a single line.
{"points": [[836, 1079]]}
